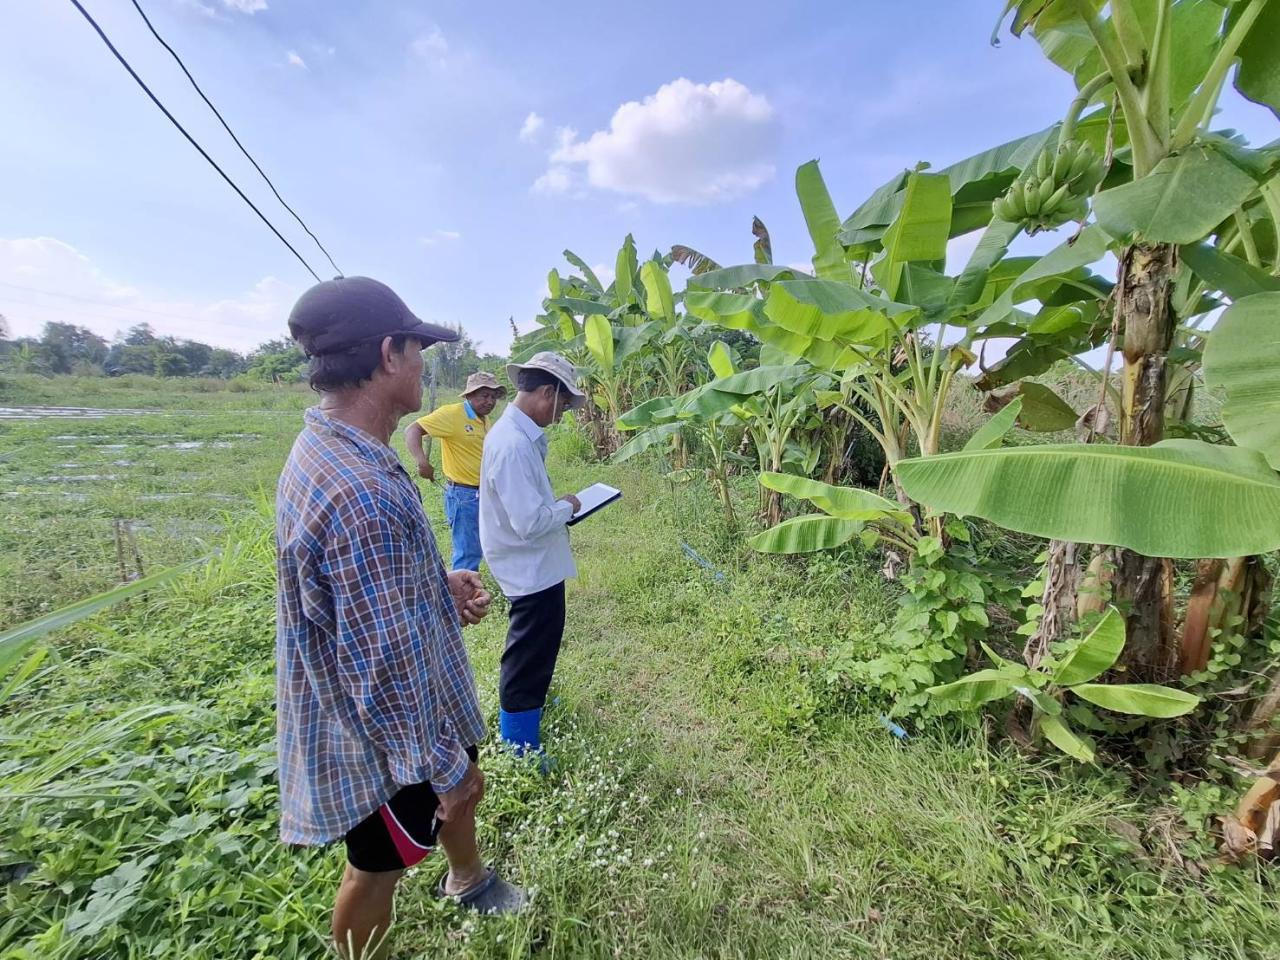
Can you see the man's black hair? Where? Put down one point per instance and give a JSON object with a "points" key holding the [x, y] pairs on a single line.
{"points": [[350, 367], [531, 379]]}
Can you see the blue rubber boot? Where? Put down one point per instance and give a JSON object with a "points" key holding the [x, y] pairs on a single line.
{"points": [[521, 731]]}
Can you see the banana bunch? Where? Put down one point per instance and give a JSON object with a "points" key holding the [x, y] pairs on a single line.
{"points": [[1053, 190]]}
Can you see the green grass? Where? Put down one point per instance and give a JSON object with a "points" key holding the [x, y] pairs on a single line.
{"points": [[713, 796]]}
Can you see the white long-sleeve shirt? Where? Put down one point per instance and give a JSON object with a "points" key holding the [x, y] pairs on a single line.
{"points": [[523, 528]]}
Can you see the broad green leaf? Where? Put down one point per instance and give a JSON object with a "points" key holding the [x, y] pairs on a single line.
{"points": [[1258, 78], [761, 379], [720, 359], [826, 310], [625, 271], [580, 307], [1195, 38], [1072, 744], [705, 403], [654, 410], [1138, 699], [587, 272], [919, 231], [1179, 498], [15, 640], [657, 292], [980, 177], [990, 249], [848, 503], [632, 340], [1222, 271], [929, 289], [643, 441], [823, 223], [1243, 359], [806, 535], [553, 283], [1032, 355], [599, 336], [992, 433], [1180, 201], [1057, 319], [744, 275], [737, 311], [995, 168], [1095, 654], [1043, 411], [1089, 247], [975, 689]]}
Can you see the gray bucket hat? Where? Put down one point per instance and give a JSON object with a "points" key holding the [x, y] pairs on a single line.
{"points": [[558, 367]]}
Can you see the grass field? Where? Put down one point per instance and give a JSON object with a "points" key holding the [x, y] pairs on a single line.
{"points": [[713, 795]]}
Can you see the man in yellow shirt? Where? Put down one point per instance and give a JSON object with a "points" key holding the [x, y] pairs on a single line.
{"points": [[460, 428]]}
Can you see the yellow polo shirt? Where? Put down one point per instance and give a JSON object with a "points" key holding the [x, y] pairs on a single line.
{"points": [[461, 435]]}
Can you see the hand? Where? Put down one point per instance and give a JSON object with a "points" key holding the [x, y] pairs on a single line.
{"points": [[457, 803], [573, 501], [469, 596], [426, 470]]}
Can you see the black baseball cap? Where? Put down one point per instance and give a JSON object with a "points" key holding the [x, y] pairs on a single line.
{"points": [[337, 314]]}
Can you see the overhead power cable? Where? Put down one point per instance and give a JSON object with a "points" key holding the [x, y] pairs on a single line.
{"points": [[190, 139], [225, 126]]}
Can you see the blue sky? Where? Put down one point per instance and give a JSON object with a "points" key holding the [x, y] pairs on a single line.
{"points": [[455, 149]]}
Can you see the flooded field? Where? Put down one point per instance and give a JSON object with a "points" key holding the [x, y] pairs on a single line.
{"points": [[73, 476]]}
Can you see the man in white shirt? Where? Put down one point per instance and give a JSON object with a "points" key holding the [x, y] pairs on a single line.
{"points": [[525, 536]]}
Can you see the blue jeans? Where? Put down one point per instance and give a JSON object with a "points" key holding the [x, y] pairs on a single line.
{"points": [[462, 510]]}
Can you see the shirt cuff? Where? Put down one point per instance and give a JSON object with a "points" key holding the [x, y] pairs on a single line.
{"points": [[564, 511]]}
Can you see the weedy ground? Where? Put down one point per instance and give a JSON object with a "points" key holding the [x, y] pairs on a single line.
{"points": [[714, 794]]}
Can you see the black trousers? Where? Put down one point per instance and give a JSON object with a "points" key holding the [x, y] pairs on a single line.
{"points": [[533, 643]]}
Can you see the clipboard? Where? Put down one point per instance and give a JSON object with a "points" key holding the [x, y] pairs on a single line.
{"points": [[594, 498]]}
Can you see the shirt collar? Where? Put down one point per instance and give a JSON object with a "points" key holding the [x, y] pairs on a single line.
{"points": [[469, 410], [524, 422], [369, 446]]}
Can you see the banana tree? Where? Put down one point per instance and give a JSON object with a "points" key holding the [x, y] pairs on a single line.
{"points": [[1174, 183], [1074, 671], [1180, 498], [704, 412], [771, 401], [893, 337]]}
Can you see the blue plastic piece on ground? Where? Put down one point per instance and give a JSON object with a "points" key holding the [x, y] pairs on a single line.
{"points": [[702, 561], [892, 727]]}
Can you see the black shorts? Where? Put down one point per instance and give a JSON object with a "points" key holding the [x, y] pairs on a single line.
{"points": [[400, 833]]}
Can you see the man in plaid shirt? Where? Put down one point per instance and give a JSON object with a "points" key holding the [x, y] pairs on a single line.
{"points": [[377, 710]]}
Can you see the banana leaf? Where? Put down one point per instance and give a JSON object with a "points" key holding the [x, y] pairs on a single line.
{"points": [[1243, 360], [1179, 498]]}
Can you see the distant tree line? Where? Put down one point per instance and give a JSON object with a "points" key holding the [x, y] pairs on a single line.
{"points": [[65, 348]]}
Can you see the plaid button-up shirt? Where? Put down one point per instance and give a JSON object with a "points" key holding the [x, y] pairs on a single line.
{"points": [[373, 686]]}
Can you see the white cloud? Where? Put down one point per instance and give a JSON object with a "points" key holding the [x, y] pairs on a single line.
{"points": [[557, 179], [295, 60], [45, 280], [531, 127], [439, 236], [431, 44], [245, 6], [687, 143]]}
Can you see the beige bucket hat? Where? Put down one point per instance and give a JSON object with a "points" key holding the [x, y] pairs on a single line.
{"points": [[483, 380], [558, 367]]}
